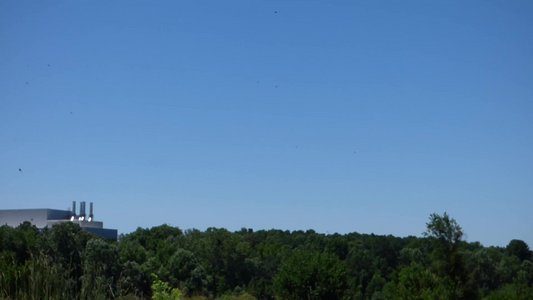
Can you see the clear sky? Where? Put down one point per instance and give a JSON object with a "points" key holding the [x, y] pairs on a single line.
{"points": [[337, 116]]}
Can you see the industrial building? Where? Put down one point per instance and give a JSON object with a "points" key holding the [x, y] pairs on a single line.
{"points": [[45, 217]]}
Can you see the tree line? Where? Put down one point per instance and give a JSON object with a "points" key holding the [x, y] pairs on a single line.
{"points": [[165, 262]]}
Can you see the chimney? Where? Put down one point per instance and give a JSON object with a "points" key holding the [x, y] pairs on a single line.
{"points": [[91, 216], [73, 208], [82, 210]]}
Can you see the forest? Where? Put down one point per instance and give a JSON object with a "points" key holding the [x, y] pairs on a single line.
{"points": [[165, 262]]}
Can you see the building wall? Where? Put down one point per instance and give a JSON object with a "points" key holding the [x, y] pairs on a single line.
{"points": [[44, 217], [56, 214], [83, 224], [110, 234], [14, 217]]}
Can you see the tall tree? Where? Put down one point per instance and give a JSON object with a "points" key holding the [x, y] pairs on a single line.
{"points": [[311, 275], [447, 235], [101, 270], [519, 249]]}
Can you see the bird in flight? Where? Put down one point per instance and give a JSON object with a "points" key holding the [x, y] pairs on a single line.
{"points": [[20, 170]]}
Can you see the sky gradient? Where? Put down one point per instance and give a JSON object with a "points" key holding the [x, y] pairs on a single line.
{"points": [[337, 116]]}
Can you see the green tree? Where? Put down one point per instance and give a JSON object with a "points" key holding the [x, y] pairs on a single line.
{"points": [[64, 244], [162, 291], [519, 249], [444, 229], [446, 235], [101, 270], [311, 275], [415, 282], [132, 280], [483, 269], [184, 270]]}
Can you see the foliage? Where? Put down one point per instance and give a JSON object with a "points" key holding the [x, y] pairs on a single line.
{"points": [[164, 262], [519, 249], [444, 228], [311, 275], [100, 269], [418, 282], [162, 291]]}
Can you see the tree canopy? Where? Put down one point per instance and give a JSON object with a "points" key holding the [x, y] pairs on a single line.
{"points": [[165, 262]]}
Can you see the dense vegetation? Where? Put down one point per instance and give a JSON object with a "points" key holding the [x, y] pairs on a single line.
{"points": [[165, 262]]}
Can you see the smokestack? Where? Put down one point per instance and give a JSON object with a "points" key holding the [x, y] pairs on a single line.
{"points": [[73, 208], [91, 216], [82, 210]]}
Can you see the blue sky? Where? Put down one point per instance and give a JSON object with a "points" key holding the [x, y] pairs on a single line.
{"points": [[338, 116]]}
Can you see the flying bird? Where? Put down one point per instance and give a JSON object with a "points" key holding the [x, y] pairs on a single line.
{"points": [[20, 170]]}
